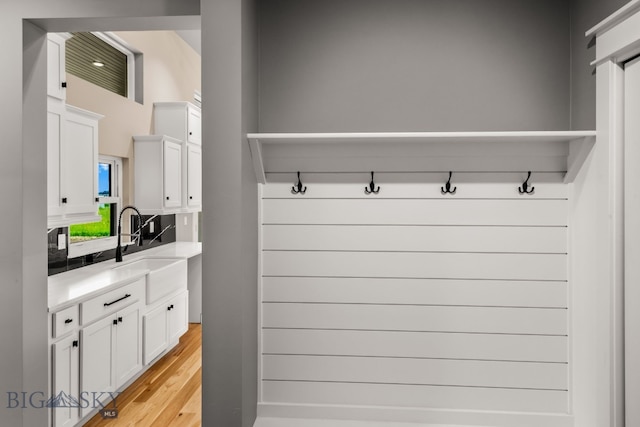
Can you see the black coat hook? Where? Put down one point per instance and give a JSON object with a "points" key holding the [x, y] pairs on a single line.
{"points": [[372, 187], [447, 187], [298, 188], [525, 186]]}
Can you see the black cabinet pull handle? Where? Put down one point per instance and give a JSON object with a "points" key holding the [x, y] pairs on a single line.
{"points": [[64, 200], [107, 304], [63, 84], [190, 133], [167, 197], [115, 322], [119, 319], [97, 200], [191, 197], [75, 343], [68, 321]]}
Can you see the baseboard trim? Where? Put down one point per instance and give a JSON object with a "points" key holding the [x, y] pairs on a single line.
{"points": [[294, 415]]}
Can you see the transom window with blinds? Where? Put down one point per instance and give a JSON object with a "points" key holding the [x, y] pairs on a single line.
{"points": [[92, 59]]}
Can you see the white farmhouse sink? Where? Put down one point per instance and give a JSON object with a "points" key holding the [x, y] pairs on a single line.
{"points": [[164, 276]]}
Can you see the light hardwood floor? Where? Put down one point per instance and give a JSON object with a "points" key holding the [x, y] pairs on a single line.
{"points": [[168, 394]]}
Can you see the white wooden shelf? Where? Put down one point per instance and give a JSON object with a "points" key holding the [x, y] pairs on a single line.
{"points": [[559, 152]]}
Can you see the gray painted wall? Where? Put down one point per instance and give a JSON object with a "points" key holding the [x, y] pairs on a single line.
{"points": [[421, 65], [230, 231], [585, 14]]}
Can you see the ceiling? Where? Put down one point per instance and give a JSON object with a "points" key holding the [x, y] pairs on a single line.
{"points": [[193, 38]]}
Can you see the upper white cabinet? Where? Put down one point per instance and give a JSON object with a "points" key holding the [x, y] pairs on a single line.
{"points": [[55, 160], [180, 120], [194, 177], [157, 178], [158, 174], [56, 75], [72, 161], [81, 162]]}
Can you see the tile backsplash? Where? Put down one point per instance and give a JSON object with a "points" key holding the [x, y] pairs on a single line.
{"points": [[159, 230]]}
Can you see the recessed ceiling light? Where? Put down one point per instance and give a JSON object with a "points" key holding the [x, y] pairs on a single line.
{"points": [[98, 63]]}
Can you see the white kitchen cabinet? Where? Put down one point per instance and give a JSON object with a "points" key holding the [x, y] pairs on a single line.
{"points": [[128, 350], [81, 163], [194, 177], [110, 353], [180, 120], [164, 325], [65, 381], [56, 74], [177, 317], [156, 335], [72, 162], [158, 174], [55, 160]]}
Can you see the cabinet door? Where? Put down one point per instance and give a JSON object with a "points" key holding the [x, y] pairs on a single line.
{"points": [[194, 175], [128, 354], [96, 361], [178, 317], [172, 163], [194, 127], [155, 333], [80, 151], [55, 126], [65, 383], [56, 66]]}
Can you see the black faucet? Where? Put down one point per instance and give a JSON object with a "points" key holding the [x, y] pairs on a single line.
{"points": [[138, 234]]}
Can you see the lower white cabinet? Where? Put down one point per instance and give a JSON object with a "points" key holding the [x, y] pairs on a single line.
{"points": [[178, 316], [110, 354], [98, 345], [164, 324], [65, 385], [156, 335]]}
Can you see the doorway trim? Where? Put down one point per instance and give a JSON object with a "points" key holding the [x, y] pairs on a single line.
{"points": [[617, 41]]}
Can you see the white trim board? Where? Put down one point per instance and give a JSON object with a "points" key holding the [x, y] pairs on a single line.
{"points": [[275, 415]]}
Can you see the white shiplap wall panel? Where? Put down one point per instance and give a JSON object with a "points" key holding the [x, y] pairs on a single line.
{"points": [[394, 395], [411, 371], [492, 320], [435, 345], [501, 293], [415, 239], [450, 211], [410, 298], [502, 266]]}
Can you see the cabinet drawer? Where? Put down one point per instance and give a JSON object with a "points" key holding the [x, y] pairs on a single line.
{"points": [[65, 320], [112, 301]]}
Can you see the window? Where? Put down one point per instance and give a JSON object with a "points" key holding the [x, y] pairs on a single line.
{"points": [[100, 235], [106, 61]]}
